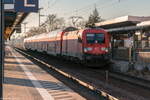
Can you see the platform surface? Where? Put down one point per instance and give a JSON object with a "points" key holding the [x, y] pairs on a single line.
{"points": [[24, 80]]}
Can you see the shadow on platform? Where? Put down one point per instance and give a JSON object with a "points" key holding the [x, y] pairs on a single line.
{"points": [[28, 83], [11, 57], [15, 62]]}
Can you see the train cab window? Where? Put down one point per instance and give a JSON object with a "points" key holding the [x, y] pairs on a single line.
{"points": [[90, 38], [100, 38], [95, 38]]}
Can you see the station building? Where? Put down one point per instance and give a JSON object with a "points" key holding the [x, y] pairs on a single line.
{"points": [[130, 42]]}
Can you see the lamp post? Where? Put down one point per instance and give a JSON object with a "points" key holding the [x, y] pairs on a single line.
{"points": [[40, 16]]}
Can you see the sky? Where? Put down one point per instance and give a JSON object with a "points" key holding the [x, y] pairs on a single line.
{"points": [[108, 9]]}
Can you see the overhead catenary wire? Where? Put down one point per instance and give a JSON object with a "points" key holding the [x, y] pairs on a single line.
{"points": [[85, 11], [84, 8], [53, 3], [102, 6]]}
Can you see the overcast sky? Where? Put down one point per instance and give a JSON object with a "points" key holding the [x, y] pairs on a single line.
{"points": [[108, 9]]}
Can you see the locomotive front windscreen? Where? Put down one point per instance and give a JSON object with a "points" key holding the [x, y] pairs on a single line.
{"points": [[95, 38]]}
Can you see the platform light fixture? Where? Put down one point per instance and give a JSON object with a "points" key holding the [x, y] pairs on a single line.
{"points": [[138, 33]]}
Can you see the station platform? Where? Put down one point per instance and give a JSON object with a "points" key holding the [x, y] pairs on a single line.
{"points": [[23, 80]]}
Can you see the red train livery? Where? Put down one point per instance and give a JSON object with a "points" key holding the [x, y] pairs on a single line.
{"points": [[88, 46]]}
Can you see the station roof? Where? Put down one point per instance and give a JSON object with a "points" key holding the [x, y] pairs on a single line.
{"points": [[122, 22], [128, 29], [12, 20], [144, 23], [145, 26]]}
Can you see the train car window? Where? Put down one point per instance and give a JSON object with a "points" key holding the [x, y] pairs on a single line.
{"points": [[95, 38]]}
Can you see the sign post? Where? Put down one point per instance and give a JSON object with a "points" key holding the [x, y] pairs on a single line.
{"points": [[1, 47]]}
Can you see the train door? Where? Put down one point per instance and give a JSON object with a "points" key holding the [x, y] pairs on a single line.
{"points": [[66, 47], [58, 45], [64, 44], [47, 47]]}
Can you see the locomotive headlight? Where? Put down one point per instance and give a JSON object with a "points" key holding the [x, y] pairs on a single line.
{"points": [[104, 49], [87, 49]]}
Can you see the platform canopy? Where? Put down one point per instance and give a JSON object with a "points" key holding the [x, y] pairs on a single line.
{"points": [[12, 18], [129, 29], [12, 21], [124, 21]]}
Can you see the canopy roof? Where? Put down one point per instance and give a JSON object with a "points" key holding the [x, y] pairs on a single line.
{"points": [[122, 22], [12, 18]]}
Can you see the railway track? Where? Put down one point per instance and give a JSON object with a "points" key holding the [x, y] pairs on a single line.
{"points": [[107, 74], [126, 78], [131, 79]]}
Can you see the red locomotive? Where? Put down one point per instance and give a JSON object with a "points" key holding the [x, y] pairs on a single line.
{"points": [[88, 46]]}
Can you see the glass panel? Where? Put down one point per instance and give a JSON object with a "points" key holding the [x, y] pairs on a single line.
{"points": [[100, 38], [90, 38], [95, 38]]}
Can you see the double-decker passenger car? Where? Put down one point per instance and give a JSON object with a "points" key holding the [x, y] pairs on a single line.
{"points": [[88, 46]]}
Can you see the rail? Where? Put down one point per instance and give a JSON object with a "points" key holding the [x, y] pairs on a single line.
{"points": [[102, 93]]}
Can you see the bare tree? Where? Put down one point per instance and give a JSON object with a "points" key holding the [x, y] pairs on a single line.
{"points": [[36, 30], [54, 23], [75, 19], [81, 24]]}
